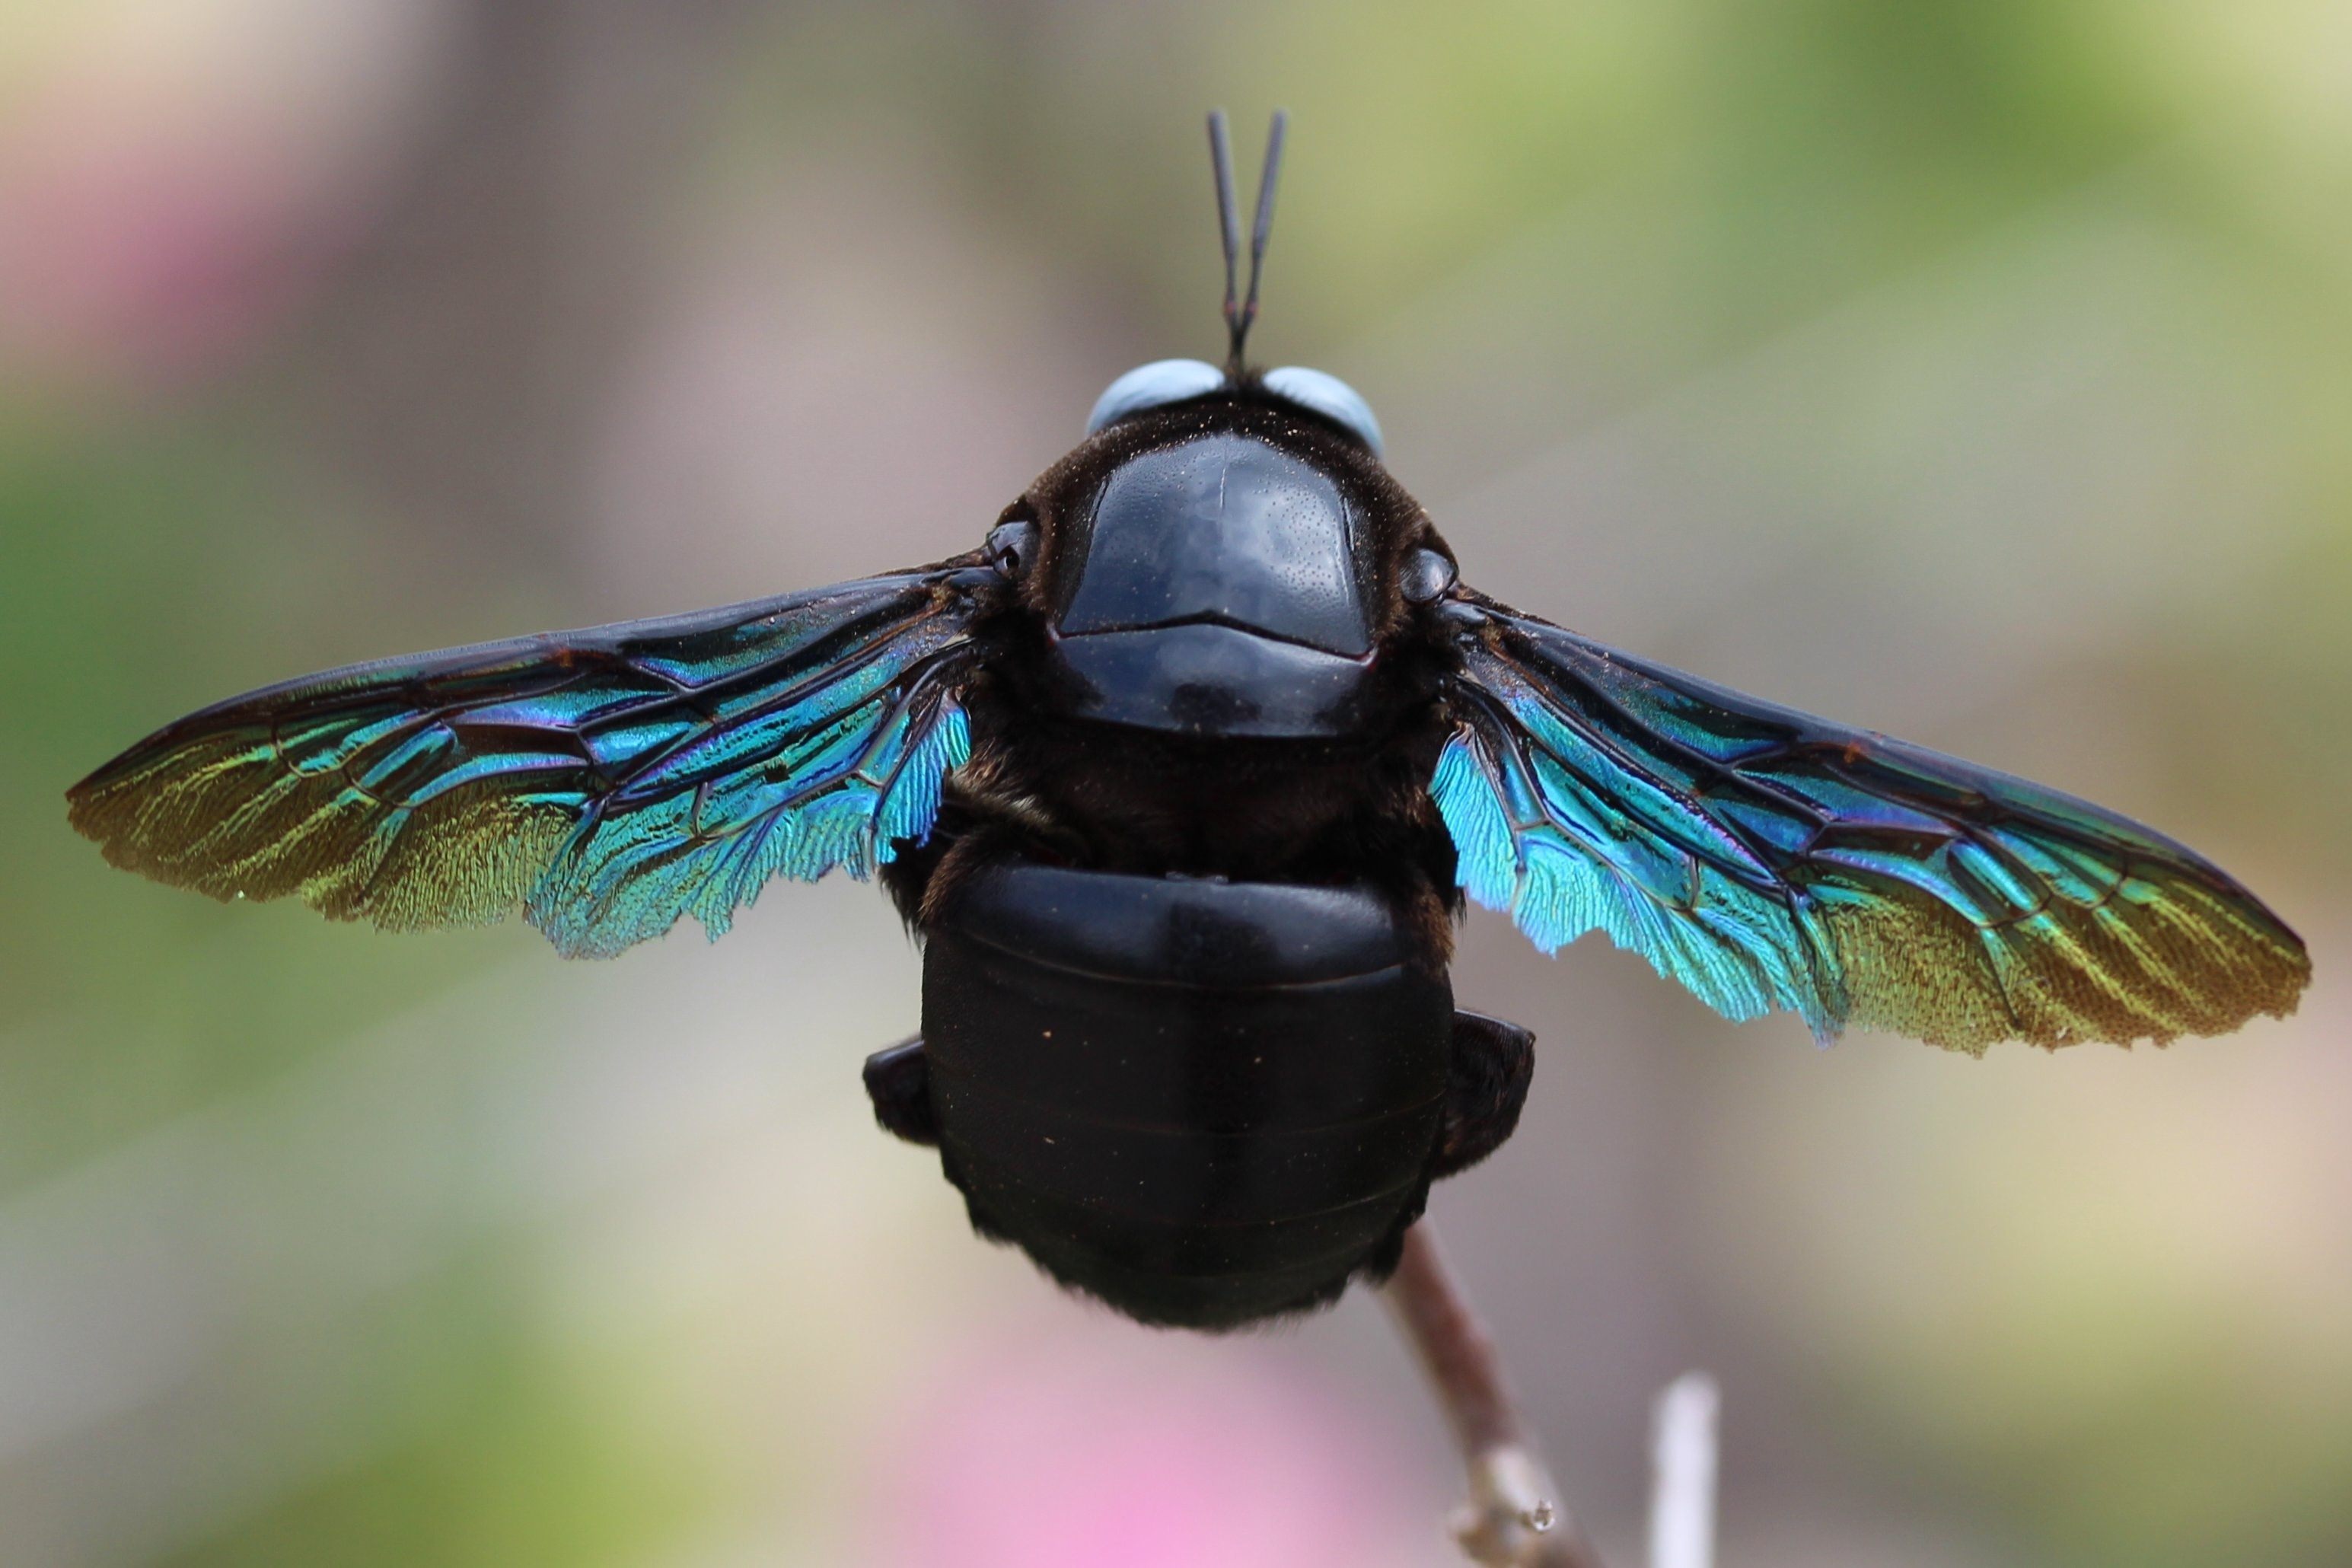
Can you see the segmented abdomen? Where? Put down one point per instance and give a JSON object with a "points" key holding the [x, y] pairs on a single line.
{"points": [[1204, 1103]]}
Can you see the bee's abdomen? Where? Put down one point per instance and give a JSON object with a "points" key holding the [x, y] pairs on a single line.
{"points": [[1205, 1102]]}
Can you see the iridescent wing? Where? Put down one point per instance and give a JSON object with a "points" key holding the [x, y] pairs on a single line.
{"points": [[607, 781], [1768, 860]]}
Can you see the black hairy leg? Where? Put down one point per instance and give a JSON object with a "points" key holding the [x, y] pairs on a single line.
{"points": [[1485, 1086], [899, 1082]]}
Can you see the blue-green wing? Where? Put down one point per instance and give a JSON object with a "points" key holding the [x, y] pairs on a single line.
{"points": [[606, 780], [1768, 860]]}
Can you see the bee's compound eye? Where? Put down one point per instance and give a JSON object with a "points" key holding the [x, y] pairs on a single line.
{"points": [[1426, 575], [1012, 548], [1319, 392], [1154, 385]]}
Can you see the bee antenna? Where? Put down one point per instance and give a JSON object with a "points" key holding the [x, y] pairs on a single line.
{"points": [[1240, 314]]}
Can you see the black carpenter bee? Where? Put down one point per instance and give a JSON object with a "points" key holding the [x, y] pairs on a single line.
{"points": [[1183, 777]]}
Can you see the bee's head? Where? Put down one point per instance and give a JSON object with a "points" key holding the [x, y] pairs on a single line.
{"points": [[1212, 561]]}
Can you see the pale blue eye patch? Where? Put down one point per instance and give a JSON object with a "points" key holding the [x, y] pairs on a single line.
{"points": [[1334, 399], [1162, 382]]}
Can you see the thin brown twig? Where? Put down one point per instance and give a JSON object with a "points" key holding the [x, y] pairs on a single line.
{"points": [[1515, 1518]]}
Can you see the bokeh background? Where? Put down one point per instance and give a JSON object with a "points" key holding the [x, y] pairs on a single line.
{"points": [[1977, 372]]}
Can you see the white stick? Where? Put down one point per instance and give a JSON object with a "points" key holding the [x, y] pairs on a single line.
{"points": [[1681, 1502]]}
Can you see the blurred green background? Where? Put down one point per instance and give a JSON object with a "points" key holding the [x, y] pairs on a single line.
{"points": [[1977, 372]]}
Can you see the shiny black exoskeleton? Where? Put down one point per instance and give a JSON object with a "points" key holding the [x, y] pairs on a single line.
{"points": [[1213, 586], [1188, 1036], [1202, 1102]]}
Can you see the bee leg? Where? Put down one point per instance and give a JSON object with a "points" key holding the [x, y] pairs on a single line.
{"points": [[899, 1082], [1485, 1084]]}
